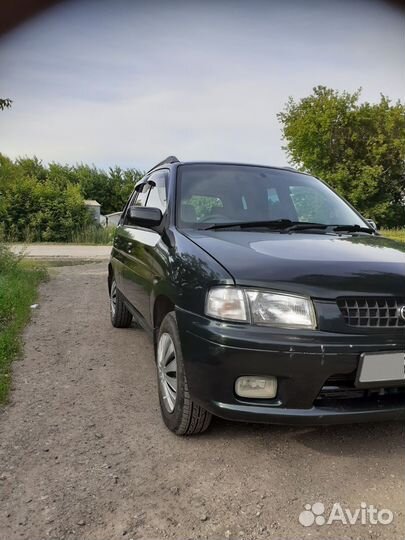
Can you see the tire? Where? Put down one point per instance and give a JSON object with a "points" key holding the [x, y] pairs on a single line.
{"points": [[120, 316], [180, 414]]}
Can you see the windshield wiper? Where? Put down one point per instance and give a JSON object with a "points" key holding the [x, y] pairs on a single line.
{"points": [[274, 224], [352, 228], [287, 225]]}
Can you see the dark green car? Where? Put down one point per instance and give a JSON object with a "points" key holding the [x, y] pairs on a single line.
{"points": [[268, 297]]}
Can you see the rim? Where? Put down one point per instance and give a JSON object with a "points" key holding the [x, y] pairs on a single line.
{"points": [[113, 297], [167, 369]]}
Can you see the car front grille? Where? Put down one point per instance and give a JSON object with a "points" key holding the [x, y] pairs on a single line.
{"points": [[372, 311]]}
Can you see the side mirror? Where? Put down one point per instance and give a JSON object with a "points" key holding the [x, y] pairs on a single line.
{"points": [[144, 216], [372, 224]]}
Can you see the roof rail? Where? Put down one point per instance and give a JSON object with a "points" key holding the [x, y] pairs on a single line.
{"points": [[169, 159]]}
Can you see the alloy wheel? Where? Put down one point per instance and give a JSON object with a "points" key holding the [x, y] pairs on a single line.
{"points": [[167, 370], [113, 297]]}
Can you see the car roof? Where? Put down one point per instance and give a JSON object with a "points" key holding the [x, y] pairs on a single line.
{"points": [[172, 161]]}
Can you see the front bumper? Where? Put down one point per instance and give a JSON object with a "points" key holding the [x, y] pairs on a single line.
{"points": [[216, 354]]}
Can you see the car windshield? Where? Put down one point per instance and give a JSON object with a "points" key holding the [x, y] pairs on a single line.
{"points": [[219, 194]]}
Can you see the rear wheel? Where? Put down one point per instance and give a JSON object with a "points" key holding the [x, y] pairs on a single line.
{"points": [[180, 414], [120, 316]]}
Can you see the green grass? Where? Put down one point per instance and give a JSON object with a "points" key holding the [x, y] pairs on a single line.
{"points": [[395, 234], [90, 235], [94, 235], [19, 280]]}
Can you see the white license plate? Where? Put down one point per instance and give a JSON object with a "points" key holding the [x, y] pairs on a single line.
{"points": [[384, 367]]}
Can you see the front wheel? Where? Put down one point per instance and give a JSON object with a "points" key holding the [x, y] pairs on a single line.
{"points": [[180, 414]]}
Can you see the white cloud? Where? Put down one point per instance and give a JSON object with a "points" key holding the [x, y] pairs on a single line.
{"points": [[131, 84]]}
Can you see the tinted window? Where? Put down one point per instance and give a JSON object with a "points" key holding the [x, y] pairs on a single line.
{"points": [[310, 204], [142, 196], [203, 205], [138, 199], [158, 193], [231, 193]]}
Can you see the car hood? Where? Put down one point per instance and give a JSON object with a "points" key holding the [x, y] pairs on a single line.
{"points": [[319, 265]]}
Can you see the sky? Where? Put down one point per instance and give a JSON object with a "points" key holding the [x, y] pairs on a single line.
{"points": [[128, 82]]}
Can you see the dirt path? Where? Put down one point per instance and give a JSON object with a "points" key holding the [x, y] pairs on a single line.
{"points": [[84, 454]]}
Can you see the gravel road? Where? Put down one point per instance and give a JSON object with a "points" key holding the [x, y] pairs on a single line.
{"points": [[84, 453]]}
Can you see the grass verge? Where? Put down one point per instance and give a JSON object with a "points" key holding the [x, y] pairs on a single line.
{"points": [[89, 235], [94, 235], [19, 280], [394, 234]]}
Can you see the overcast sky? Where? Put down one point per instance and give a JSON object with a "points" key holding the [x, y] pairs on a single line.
{"points": [[129, 83]]}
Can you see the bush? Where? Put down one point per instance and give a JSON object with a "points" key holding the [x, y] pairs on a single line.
{"points": [[39, 203], [8, 261], [40, 211]]}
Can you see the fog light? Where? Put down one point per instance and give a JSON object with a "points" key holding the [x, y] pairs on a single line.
{"points": [[256, 387]]}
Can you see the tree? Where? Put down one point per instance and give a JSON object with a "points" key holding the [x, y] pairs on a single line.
{"points": [[358, 148], [5, 103], [110, 189]]}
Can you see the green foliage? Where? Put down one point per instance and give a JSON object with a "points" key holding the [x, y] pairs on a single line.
{"points": [[358, 148], [46, 203], [36, 211], [111, 189], [18, 285]]}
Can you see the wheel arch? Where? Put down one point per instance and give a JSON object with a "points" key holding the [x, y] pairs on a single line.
{"points": [[161, 307], [110, 276]]}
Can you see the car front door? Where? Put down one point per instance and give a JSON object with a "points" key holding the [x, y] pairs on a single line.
{"points": [[140, 265]]}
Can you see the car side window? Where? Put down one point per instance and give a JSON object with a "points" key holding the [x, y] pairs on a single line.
{"points": [[158, 190], [142, 196], [125, 209], [138, 198]]}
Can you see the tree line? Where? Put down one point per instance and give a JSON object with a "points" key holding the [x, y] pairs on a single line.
{"points": [[46, 202]]}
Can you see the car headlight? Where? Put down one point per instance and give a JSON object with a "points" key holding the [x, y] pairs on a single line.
{"points": [[281, 309], [260, 307], [227, 303]]}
